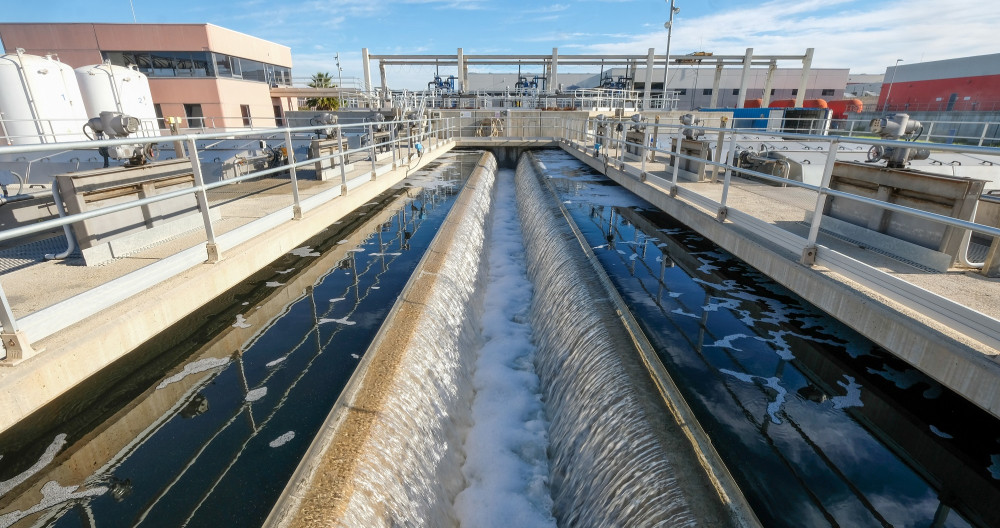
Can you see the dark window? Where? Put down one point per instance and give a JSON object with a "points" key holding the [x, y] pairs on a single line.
{"points": [[736, 91], [682, 91], [772, 91], [278, 119], [159, 116], [828, 92], [795, 91], [200, 64], [223, 65], [195, 118], [706, 91], [245, 110]]}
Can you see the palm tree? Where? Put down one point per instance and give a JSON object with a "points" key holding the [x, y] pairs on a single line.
{"points": [[322, 80]]}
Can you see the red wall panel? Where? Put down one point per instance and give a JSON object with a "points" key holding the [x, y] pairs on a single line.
{"points": [[983, 93]]}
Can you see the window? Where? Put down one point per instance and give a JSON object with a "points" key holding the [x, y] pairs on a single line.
{"points": [[159, 116], [706, 91], [736, 91], [278, 119], [828, 92], [195, 118], [682, 91], [245, 111], [772, 91], [795, 91]]}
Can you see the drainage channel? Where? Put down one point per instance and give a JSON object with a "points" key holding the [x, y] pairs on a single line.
{"points": [[206, 424], [819, 426]]}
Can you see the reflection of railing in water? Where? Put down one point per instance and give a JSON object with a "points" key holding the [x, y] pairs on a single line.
{"points": [[406, 226], [805, 363]]}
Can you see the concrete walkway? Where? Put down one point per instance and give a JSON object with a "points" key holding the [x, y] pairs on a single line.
{"points": [[869, 290], [81, 319]]}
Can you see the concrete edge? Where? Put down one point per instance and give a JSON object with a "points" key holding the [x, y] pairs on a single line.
{"points": [[409, 304], [715, 468]]}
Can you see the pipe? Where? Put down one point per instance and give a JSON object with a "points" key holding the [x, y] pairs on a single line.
{"points": [[70, 240], [963, 250]]}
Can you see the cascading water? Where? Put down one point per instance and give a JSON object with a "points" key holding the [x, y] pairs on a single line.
{"points": [[609, 467]]}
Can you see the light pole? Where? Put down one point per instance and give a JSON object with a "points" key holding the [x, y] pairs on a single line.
{"points": [[340, 82], [888, 92], [666, 63]]}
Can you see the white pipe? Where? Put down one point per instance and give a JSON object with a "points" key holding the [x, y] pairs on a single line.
{"points": [[963, 250], [70, 240]]}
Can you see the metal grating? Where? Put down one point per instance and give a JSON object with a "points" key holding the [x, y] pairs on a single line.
{"points": [[33, 252]]}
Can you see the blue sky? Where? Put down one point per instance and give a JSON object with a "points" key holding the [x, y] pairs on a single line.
{"points": [[865, 36]]}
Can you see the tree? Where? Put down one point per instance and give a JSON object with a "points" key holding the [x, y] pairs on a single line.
{"points": [[323, 80]]}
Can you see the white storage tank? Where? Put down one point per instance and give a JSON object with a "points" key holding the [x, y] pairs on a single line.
{"points": [[40, 100], [112, 88]]}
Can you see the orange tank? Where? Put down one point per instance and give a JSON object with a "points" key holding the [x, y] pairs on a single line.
{"points": [[808, 103], [753, 103], [842, 106]]}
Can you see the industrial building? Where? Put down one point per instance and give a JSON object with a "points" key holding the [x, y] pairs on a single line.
{"points": [[209, 75], [962, 84]]}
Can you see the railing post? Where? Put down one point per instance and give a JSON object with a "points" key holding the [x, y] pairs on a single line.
{"points": [[15, 343], [982, 137], [675, 159], [296, 204], [621, 147], [645, 153], [392, 144], [809, 252], [214, 255], [371, 148]]}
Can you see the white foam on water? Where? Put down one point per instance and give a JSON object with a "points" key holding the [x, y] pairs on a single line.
{"points": [[256, 394], [194, 368], [774, 406], [47, 457], [355, 356], [506, 466], [853, 396], [274, 363], [52, 494], [376, 287], [940, 433], [342, 320], [274, 284], [282, 440], [305, 251], [241, 322], [338, 299]]}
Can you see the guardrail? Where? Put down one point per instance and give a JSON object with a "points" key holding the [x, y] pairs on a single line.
{"points": [[949, 313], [432, 131], [581, 132]]}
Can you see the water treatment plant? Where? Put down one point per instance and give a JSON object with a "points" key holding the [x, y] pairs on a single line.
{"points": [[527, 307]]}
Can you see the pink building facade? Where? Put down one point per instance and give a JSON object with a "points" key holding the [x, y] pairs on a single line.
{"points": [[207, 75]]}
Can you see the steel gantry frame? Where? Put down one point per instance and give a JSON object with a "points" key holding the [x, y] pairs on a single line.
{"points": [[462, 61]]}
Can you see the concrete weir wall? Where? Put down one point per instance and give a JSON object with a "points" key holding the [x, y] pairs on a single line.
{"points": [[388, 454], [391, 452]]}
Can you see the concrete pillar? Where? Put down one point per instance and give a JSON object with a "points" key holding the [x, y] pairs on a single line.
{"points": [[554, 72], [714, 103], [385, 97], [461, 71], [804, 80], [743, 78], [766, 98], [367, 71], [647, 90]]}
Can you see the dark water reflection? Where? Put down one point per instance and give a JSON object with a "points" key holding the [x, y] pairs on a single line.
{"points": [[212, 439], [819, 426]]}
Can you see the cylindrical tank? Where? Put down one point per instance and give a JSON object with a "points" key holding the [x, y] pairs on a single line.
{"points": [[111, 88], [40, 100], [808, 103], [753, 103], [841, 107]]}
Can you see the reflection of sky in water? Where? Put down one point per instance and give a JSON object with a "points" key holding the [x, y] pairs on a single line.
{"points": [[766, 373], [248, 415]]}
